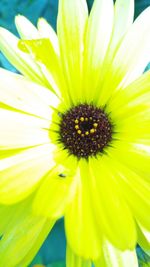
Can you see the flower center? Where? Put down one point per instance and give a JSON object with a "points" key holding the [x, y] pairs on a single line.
{"points": [[85, 130]]}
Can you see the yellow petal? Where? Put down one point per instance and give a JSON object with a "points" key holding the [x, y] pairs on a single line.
{"points": [[113, 257], [21, 173], [22, 234], [143, 238], [81, 228], [50, 51], [131, 58], [72, 19], [4, 153], [123, 19], [42, 51], [132, 155], [28, 31], [25, 28], [56, 191], [99, 30], [109, 206], [135, 130], [19, 130], [133, 110], [22, 61], [135, 189], [125, 96], [20, 93], [73, 260], [46, 31]]}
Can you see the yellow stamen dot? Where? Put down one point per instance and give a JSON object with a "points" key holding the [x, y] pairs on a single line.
{"points": [[92, 131], [86, 119], [95, 125], [79, 132], [76, 127], [87, 133], [90, 118], [81, 119], [82, 135], [76, 121]]}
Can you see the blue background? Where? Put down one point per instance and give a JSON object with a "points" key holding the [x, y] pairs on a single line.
{"points": [[52, 253]]}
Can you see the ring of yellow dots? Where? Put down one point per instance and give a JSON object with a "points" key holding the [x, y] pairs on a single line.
{"points": [[79, 131]]}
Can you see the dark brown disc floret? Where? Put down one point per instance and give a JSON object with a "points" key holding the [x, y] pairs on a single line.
{"points": [[85, 130]]}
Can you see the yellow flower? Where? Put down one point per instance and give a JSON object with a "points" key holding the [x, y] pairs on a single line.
{"points": [[75, 135]]}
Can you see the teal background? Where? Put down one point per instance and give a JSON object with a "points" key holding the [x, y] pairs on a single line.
{"points": [[52, 253]]}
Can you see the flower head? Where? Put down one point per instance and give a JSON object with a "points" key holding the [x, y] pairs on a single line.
{"points": [[75, 135]]}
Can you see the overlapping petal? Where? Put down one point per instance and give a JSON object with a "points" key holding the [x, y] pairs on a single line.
{"points": [[83, 236], [22, 234], [49, 47], [97, 38], [28, 31], [25, 28], [42, 51], [73, 260], [72, 20], [123, 19], [22, 61], [133, 110], [134, 188], [113, 257], [144, 238], [126, 67], [27, 63], [25, 112], [23, 95], [56, 190], [124, 97], [108, 203], [20, 130], [21, 173], [46, 31], [135, 156]]}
